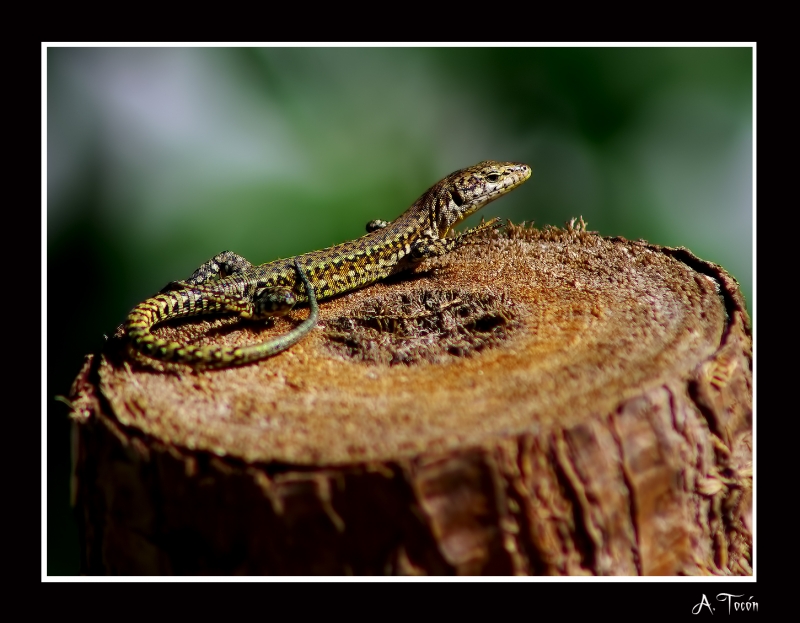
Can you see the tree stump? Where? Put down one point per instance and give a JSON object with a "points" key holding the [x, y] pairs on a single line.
{"points": [[541, 402]]}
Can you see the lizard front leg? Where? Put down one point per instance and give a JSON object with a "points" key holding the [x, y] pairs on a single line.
{"points": [[432, 247]]}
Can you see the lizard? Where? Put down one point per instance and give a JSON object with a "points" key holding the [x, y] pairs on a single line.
{"points": [[228, 283]]}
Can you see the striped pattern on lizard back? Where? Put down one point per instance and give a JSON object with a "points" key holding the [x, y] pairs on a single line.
{"points": [[228, 283]]}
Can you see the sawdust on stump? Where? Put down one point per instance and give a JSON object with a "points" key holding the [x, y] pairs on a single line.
{"points": [[542, 402]]}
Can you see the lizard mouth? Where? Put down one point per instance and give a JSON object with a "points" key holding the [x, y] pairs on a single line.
{"points": [[518, 173]]}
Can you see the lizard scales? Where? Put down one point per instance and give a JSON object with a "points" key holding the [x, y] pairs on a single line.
{"points": [[228, 283]]}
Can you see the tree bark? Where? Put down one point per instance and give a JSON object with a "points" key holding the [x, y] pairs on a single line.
{"points": [[541, 402]]}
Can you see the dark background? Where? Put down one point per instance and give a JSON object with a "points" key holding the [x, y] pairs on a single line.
{"points": [[159, 158]]}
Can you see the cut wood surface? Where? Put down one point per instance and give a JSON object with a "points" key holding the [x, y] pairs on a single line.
{"points": [[541, 402]]}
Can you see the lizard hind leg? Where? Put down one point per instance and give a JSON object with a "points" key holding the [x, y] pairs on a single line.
{"points": [[254, 352], [376, 224], [266, 303], [273, 302], [218, 267]]}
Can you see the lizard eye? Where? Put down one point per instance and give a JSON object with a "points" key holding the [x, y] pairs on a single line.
{"points": [[493, 177], [457, 198]]}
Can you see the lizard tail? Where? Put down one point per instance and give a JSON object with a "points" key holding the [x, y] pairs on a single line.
{"points": [[159, 308], [193, 302]]}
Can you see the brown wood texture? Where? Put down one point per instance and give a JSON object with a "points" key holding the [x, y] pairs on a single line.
{"points": [[542, 402]]}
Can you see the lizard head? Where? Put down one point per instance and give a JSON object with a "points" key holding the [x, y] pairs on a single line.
{"points": [[468, 190]]}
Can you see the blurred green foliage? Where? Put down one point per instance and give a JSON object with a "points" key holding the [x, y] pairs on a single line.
{"points": [[159, 158]]}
